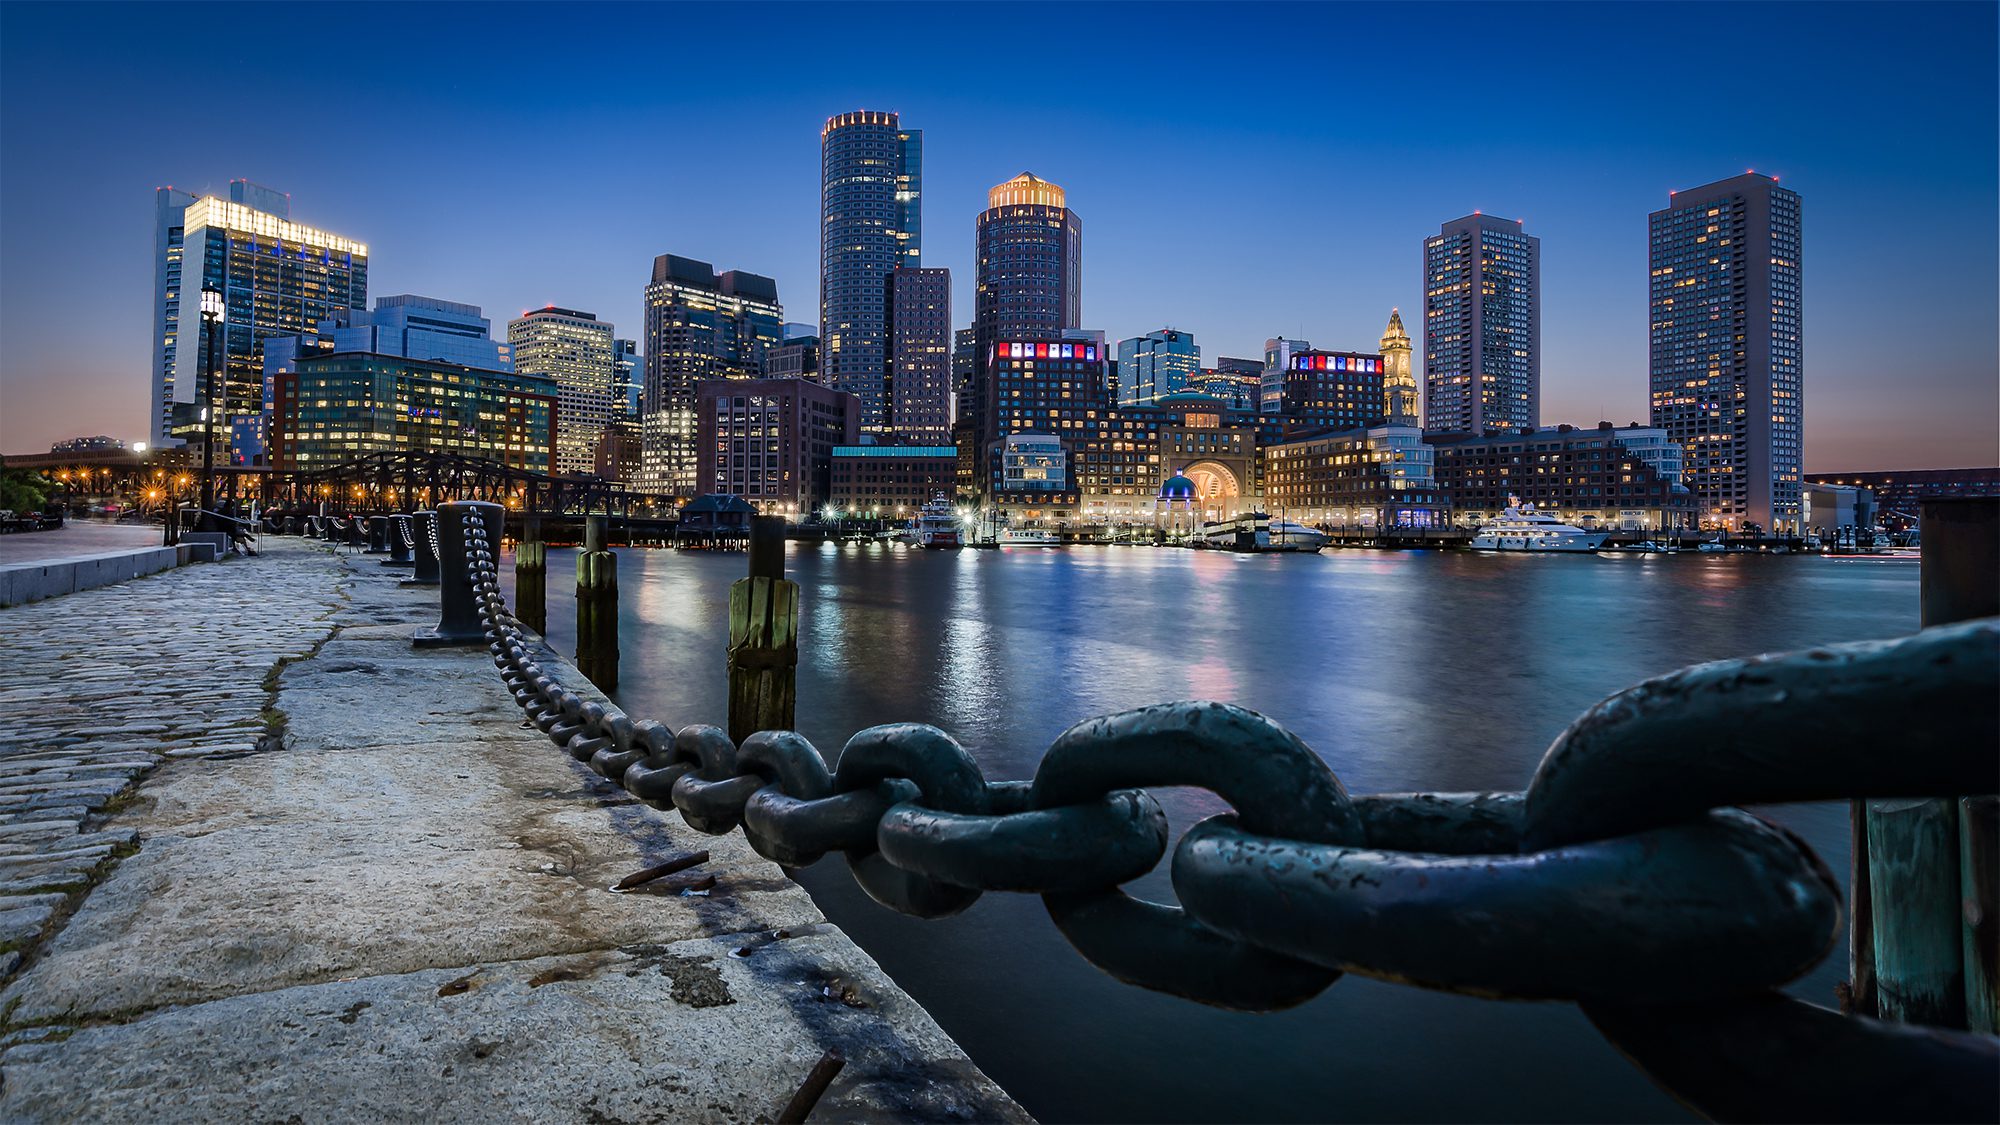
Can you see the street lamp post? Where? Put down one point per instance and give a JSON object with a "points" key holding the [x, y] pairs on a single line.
{"points": [[211, 319]]}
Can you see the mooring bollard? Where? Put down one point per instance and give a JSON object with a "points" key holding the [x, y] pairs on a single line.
{"points": [[423, 528], [459, 620], [378, 535], [401, 543], [597, 606], [763, 637], [1926, 936], [531, 576]]}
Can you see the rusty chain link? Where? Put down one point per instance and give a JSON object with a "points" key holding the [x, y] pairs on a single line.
{"points": [[1622, 879]]}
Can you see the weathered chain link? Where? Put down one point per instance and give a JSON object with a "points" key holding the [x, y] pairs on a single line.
{"points": [[1620, 878]]}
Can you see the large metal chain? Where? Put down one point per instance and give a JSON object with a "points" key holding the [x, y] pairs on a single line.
{"points": [[1622, 878]]}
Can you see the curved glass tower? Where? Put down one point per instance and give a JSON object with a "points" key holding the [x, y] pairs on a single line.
{"points": [[871, 222]]}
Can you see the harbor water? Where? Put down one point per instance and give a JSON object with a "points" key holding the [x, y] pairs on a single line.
{"points": [[1421, 670]]}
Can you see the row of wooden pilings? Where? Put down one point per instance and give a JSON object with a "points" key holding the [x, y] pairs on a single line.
{"points": [[763, 619], [1924, 938]]}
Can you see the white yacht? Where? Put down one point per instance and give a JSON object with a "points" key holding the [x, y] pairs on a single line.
{"points": [[1028, 537], [936, 526], [1524, 529], [1257, 532]]}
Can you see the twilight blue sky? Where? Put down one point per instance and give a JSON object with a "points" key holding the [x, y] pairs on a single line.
{"points": [[1242, 171]]}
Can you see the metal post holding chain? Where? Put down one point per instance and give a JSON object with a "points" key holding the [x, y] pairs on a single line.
{"points": [[461, 550]]}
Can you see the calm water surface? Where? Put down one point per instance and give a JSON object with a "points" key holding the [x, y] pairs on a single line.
{"points": [[1404, 670]]}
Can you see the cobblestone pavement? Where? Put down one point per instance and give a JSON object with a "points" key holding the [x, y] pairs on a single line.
{"points": [[106, 684]]}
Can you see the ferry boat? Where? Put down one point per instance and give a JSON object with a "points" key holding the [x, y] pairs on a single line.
{"points": [[936, 526], [1029, 537], [1256, 531], [1524, 529]]}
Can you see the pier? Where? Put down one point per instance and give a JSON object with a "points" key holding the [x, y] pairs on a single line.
{"points": [[261, 859]]}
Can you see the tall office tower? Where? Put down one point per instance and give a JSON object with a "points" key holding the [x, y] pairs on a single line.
{"points": [[1727, 357], [871, 222], [278, 278], [1030, 281], [1399, 382], [919, 389], [699, 325], [628, 375], [1155, 365], [575, 350], [1278, 353], [1482, 327]]}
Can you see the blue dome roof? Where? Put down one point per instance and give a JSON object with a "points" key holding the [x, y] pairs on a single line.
{"points": [[1177, 487]]}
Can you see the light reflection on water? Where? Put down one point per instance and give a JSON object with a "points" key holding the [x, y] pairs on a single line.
{"points": [[1404, 670]]}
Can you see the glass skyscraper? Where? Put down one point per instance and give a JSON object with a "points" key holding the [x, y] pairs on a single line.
{"points": [[1726, 350], [1155, 365], [699, 325], [871, 222], [277, 278], [1482, 327]]}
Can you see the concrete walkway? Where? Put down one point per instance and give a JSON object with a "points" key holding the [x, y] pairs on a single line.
{"points": [[398, 909], [76, 539]]}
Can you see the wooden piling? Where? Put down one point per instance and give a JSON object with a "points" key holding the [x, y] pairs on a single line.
{"points": [[1913, 871], [597, 607], [1978, 874], [763, 637], [531, 576]]}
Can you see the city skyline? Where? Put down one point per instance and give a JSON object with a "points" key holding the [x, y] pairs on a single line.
{"points": [[1315, 196]]}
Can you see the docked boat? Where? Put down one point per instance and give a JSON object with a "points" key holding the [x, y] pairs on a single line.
{"points": [[1257, 531], [1028, 537], [1524, 529], [936, 526]]}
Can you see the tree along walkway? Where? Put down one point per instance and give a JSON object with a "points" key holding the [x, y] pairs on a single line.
{"points": [[389, 900]]}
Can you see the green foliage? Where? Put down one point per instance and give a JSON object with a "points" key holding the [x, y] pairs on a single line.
{"points": [[23, 491]]}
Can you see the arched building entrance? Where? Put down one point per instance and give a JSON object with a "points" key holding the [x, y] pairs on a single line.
{"points": [[1217, 491]]}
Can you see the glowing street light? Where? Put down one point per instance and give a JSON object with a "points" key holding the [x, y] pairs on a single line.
{"points": [[212, 314]]}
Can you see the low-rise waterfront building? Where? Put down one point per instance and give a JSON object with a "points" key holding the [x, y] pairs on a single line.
{"points": [[1831, 507], [335, 406], [1377, 477], [771, 441], [898, 479], [1597, 477], [1900, 493], [405, 324]]}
